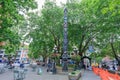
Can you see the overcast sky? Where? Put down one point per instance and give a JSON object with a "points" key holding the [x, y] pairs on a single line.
{"points": [[41, 2]]}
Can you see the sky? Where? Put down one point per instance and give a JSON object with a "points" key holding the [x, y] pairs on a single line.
{"points": [[41, 2]]}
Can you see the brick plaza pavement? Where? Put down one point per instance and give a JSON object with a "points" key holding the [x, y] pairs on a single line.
{"points": [[89, 75], [86, 75], [8, 75]]}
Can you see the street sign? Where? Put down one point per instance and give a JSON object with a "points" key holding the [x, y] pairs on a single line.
{"points": [[91, 49]]}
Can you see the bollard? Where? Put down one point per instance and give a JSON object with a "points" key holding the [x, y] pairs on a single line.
{"points": [[39, 71], [34, 66]]}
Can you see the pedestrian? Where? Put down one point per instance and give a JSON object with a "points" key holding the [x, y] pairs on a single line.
{"points": [[22, 64], [53, 67], [49, 65]]}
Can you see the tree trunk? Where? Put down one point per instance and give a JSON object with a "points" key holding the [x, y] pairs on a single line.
{"points": [[114, 53]]}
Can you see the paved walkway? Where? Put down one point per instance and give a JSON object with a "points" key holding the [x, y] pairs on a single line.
{"points": [[89, 75], [8, 75], [45, 76], [86, 75]]}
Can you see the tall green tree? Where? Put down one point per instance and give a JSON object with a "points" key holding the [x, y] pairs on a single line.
{"points": [[10, 14], [81, 25], [47, 29], [90, 22], [108, 15]]}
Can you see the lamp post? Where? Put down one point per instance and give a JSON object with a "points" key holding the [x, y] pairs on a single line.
{"points": [[55, 49], [75, 50], [65, 44]]}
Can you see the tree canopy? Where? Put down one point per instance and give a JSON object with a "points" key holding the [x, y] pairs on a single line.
{"points": [[11, 13], [90, 23]]}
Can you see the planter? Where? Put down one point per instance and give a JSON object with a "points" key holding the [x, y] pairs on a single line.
{"points": [[75, 75], [59, 70]]}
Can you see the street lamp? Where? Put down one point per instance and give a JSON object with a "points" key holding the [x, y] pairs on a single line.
{"points": [[75, 50], [55, 49]]}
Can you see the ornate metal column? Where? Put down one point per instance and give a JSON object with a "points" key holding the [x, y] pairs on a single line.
{"points": [[65, 44]]}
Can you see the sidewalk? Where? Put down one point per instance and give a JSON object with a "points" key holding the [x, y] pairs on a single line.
{"points": [[89, 75]]}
